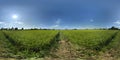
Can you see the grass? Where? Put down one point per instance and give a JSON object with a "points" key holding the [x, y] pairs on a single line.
{"points": [[88, 38], [32, 43], [89, 42], [6, 48], [114, 47], [38, 43]]}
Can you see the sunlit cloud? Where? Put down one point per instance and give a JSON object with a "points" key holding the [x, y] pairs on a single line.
{"points": [[58, 21], [91, 20], [57, 24], [117, 22], [2, 22], [19, 22], [11, 24]]}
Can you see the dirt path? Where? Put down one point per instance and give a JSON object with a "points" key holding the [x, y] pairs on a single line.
{"points": [[65, 51], [1, 58]]}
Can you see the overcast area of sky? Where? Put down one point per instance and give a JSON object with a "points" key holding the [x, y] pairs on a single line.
{"points": [[59, 13]]}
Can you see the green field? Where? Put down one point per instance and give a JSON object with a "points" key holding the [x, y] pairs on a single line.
{"points": [[79, 44], [93, 39]]}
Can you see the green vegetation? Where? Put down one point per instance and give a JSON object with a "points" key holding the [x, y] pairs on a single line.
{"points": [[89, 42], [93, 39], [42, 43], [6, 48], [32, 43], [114, 47]]}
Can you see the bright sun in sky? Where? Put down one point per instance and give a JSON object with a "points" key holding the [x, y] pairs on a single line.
{"points": [[14, 16]]}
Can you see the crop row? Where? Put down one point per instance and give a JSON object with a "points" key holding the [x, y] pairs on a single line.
{"points": [[32, 40], [41, 41], [92, 39]]}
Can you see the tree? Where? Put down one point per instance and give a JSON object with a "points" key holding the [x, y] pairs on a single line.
{"points": [[22, 29], [16, 28], [113, 28]]}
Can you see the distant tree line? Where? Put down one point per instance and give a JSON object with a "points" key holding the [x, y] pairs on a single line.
{"points": [[9, 28], [16, 28], [111, 28]]}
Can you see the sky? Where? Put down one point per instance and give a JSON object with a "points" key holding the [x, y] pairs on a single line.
{"points": [[60, 14]]}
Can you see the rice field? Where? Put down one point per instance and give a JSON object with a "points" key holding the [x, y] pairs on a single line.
{"points": [[44, 43], [94, 39], [32, 41]]}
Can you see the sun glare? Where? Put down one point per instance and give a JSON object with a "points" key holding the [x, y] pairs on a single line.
{"points": [[14, 16]]}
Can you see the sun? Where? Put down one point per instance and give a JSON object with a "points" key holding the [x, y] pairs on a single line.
{"points": [[14, 16]]}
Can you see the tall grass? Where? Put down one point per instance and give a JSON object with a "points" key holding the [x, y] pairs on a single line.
{"points": [[114, 47], [32, 41], [6, 48], [91, 39]]}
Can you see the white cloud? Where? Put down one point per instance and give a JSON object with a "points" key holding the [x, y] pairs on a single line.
{"points": [[19, 22], [91, 20], [58, 21], [117, 22], [2, 22], [11, 24], [57, 24]]}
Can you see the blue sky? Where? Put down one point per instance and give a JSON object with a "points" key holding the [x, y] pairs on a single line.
{"points": [[60, 13]]}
